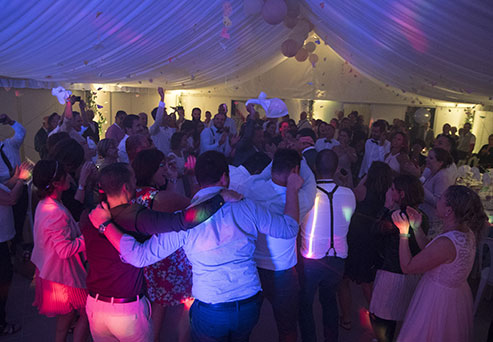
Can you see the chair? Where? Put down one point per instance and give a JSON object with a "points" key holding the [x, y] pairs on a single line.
{"points": [[486, 273]]}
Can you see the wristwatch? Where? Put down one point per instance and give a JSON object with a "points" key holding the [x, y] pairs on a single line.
{"points": [[102, 226]]}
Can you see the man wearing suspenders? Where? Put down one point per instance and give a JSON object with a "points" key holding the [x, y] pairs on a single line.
{"points": [[324, 248]]}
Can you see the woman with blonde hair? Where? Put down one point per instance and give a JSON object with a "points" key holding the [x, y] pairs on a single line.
{"points": [[442, 308]]}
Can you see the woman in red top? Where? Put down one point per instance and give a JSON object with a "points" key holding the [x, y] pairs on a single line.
{"points": [[169, 281]]}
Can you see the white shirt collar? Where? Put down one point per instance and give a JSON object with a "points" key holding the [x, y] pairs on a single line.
{"points": [[307, 149], [278, 188]]}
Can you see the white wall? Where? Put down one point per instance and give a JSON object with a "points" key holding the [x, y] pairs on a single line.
{"points": [[451, 115], [387, 112]]}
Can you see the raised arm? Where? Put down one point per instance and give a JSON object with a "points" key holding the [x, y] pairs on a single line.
{"points": [[19, 131], [154, 129], [441, 251]]}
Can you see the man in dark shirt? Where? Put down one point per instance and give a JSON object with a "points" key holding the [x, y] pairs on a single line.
{"points": [[49, 124], [116, 306]]}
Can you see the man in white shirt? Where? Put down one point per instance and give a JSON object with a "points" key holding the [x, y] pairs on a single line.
{"points": [[132, 126], [226, 285], [326, 140], [10, 159], [229, 122], [466, 142], [160, 131], [324, 248], [304, 123], [376, 147], [10, 148], [216, 137], [276, 258]]}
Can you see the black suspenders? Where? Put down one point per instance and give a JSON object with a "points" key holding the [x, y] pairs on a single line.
{"points": [[330, 195]]}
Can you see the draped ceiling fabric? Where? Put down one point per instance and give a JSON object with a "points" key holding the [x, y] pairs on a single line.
{"points": [[176, 43], [437, 49], [429, 48]]}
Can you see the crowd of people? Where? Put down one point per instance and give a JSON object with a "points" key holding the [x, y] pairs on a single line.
{"points": [[223, 213]]}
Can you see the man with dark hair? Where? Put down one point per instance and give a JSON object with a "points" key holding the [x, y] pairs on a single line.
{"points": [[252, 140], [117, 306], [466, 142], [304, 123], [252, 166], [116, 131], [276, 258], [226, 286], [132, 126], [324, 248], [376, 147], [41, 137], [216, 137], [326, 138], [229, 122], [306, 144]]}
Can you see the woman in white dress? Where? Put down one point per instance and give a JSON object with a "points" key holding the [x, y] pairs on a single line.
{"points": [[441, 308], [398, 158]]}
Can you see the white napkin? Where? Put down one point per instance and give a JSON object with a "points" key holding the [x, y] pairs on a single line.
{"points": [[274, 108], [61, 94]]}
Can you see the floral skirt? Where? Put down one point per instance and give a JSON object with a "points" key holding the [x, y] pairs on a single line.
{"points": [[169, 281], [53, 299]]}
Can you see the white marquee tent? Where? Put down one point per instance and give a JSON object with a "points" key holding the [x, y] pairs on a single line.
{"points": [[393, 52]]}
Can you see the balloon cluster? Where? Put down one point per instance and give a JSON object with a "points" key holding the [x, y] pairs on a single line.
{"points": [[275, 12]]}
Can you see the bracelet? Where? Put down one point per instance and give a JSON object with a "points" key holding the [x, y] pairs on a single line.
{"points": [[81, 187], [102, 226], [405, 236]]}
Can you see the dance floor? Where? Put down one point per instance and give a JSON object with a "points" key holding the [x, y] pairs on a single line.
{"points": [[37, 328]]}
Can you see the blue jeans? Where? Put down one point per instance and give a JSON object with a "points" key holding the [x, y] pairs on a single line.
{"points": [[225, 322], [326, 275], [281, 289]]}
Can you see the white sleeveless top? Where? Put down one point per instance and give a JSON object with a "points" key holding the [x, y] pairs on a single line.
{"points": [[392, 161]]}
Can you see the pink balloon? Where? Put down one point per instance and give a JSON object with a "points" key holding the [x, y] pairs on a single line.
{"points": [[302, 27], [274, 11], [313, 58], [301, 55], [310, 46], [252, 7], [289, 47], [293, 8], [290, 22]]}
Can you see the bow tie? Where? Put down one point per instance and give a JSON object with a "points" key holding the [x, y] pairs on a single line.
{"points": [[375, 141], [328, 141], [219, 130]]}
